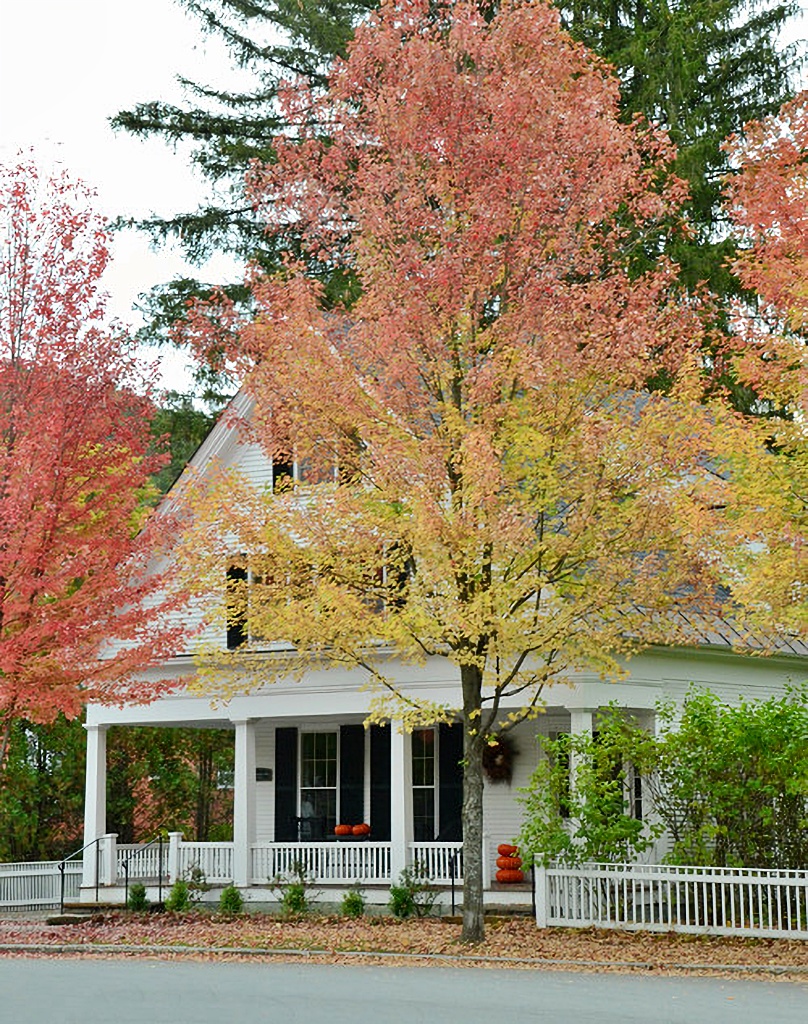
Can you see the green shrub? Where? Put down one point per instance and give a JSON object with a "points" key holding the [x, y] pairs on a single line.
{"points": [[294, 892], [353, 903], [231, 901], [136, 900], [414, 895], [179, 899]]}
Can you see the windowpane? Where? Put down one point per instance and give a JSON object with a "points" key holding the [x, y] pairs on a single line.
{"points": [[423, 757], [423, 815], [423, 784], [318, 784]]}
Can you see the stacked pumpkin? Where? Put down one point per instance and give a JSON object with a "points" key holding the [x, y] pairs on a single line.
{"points": [[509, 865]]}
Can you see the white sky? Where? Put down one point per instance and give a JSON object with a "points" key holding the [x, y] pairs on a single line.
{"points": [[66, 67]]}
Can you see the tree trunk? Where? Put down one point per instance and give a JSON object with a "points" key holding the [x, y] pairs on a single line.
{"points": [[473, 917], [5, 739]]}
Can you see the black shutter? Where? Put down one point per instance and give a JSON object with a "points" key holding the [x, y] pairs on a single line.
{"points": [[450, 782], [380, 783], [352, 774], [286, 785]]}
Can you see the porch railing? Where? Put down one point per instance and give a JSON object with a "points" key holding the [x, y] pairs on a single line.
{"points": [[436, 860], [25, 886], [145, 861], [334, 862], [720, 901], [215, 860]]}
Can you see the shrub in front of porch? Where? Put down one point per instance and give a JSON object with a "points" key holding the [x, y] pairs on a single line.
{"points": [[231, 902], [294, 892], [729, 785], [353, 902], [414, 895]]}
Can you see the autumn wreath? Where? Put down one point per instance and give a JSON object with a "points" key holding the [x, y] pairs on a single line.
{"points": [[498, 758]]}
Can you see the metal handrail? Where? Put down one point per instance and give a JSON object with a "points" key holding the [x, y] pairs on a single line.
{"points": [[453, 874], [97, 844], [159, 839]]}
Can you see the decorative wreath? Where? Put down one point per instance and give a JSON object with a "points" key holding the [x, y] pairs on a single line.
{"points": [[498, 759]]}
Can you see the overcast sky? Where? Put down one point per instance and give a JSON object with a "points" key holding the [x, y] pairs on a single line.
{"points": [[66, 67]]}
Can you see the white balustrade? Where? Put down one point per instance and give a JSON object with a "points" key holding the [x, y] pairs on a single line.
{"points": [[439, 861], [214, 860], [338, 863], [145, 861]]}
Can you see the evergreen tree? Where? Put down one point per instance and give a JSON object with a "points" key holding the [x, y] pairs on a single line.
{"points": [[701, 69]]}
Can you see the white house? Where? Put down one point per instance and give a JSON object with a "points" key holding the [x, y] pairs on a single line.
{"points": [[304, 761]]}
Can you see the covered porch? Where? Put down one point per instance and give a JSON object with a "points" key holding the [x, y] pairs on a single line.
{"points": [[298, 774], [330, 866]]}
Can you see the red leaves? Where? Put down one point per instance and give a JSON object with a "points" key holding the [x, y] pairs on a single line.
{"points": [[74, 464], [768, 202]]}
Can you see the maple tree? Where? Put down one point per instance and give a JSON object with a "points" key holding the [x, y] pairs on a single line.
{"points": [[485, 474], [79, 613], [767, 196]]}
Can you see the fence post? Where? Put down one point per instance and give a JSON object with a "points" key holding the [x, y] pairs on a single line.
{"points": [[486, 862], [540, 875], [110, 863], [174, 840]]}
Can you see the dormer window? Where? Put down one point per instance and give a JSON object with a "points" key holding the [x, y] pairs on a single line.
{"points": [[236, 603], [283, 472]]}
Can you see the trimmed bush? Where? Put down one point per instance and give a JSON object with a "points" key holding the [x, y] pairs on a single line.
{"points": [[136, 900], [231, 902]]}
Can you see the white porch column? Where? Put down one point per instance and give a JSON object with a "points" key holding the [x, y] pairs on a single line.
{"points": [[581, 720], [244, 803], [401, 830], [95, 797]]}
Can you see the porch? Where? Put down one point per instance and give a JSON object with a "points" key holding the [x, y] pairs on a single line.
{"points": [[324, 863], [296, 777], [329, 866]]}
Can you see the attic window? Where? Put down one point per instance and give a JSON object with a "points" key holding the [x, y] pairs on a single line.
{"points": [[236, 598], [283, 472]]}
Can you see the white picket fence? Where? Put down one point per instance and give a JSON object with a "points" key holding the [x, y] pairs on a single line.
{"points": [[698, 900], [37, 884]]}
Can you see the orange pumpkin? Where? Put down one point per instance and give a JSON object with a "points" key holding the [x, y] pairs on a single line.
{"points": [[342, 830], [361, 830], [512, 875], [506, 850], [509, 863]]}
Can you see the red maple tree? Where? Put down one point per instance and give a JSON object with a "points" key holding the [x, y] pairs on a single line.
{"points": [[79, 610]]}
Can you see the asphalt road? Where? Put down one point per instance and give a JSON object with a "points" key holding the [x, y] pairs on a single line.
{"points": [[73, 991]]}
